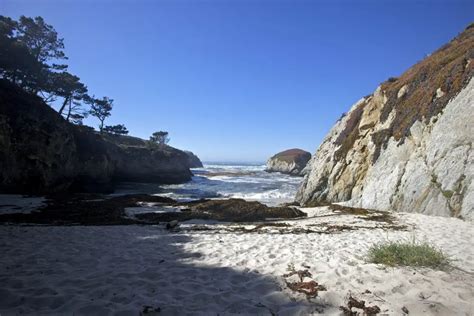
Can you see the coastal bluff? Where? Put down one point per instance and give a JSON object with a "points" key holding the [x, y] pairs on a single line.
{"points": [[291, 161], [42, 153], [194, 161], [406, 147]]}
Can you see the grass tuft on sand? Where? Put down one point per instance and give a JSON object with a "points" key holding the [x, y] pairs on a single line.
{"points": [[407, 254]]}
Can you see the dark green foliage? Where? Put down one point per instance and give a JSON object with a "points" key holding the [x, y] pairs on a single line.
{"points": [[73, 92], [29, 53], [119, 129], [41, 39], [29, 49], [17, 64], [160, 138], [101, 109]]}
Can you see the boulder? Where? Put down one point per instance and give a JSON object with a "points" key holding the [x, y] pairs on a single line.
{"points": [[292, 161]]}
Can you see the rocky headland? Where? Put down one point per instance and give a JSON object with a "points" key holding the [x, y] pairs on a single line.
{"points": [[407, 146], [291, 161], [42, 153]]}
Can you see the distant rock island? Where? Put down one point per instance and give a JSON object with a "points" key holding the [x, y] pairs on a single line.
{"points": [[408, 146], [194, 161], [291, 161], [42, 153]]}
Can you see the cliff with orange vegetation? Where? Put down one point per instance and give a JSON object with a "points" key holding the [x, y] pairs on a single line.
{"points": [[408, 146]]}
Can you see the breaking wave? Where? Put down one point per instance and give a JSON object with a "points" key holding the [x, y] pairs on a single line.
{"points": [[249, 182]]}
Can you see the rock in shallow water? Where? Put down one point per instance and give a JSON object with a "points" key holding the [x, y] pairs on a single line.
{"points": [[91, 209], [231, 210], [292, 161]]}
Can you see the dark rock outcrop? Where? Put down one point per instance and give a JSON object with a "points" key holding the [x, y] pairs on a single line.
{"points": [[161, 165], [292, 161], [42, 153], [94, 209], [194, 161], [97, 161], [37, 147], [230, 210]]}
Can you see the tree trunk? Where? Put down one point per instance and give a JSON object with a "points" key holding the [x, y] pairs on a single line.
{"points": [[66, 99], [69, 111]]}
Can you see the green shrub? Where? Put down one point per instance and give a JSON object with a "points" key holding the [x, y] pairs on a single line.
{"points": [[407, 254]]}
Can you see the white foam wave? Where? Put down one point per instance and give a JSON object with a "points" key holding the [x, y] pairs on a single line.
{"points": [[249, 182], [277, 195], [230, 168]]}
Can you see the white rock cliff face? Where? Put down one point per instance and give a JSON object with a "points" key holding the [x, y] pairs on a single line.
{"points": [[408, 146], [430, 172]]}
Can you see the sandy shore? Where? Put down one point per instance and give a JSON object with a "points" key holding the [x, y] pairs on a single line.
{"points": [[209, 268]]}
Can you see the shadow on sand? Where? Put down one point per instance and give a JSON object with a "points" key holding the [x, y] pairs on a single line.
{"points": [[128, 270]]}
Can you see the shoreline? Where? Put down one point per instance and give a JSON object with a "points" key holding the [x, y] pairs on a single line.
{"points": [[194, 270]]}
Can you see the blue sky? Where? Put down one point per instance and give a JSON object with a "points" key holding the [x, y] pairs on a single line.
{"points": [[242, 80]]}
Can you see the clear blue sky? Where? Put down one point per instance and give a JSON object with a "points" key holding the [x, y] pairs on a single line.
{"points": [[242, 80]]}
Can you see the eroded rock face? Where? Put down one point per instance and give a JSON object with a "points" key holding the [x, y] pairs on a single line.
{"points": [[292, 161], [407, 147], [42, 153], [37, 147], [96, 165], [161, 165]]}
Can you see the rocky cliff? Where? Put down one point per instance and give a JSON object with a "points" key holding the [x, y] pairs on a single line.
{"points": [[292, 161], [408, 146], [37, 147], [42, 153], [194, 161]]}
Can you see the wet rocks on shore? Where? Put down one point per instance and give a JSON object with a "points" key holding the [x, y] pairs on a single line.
{"points": [[93, 209]]}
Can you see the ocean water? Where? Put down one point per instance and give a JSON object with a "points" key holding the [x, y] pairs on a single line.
{"points": [[228, 180]]}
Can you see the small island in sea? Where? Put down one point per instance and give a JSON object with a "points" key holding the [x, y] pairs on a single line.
{"points": [[191, 158]]}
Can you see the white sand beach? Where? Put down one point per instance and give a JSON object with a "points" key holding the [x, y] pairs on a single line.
{"points": [[208, 268]]}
